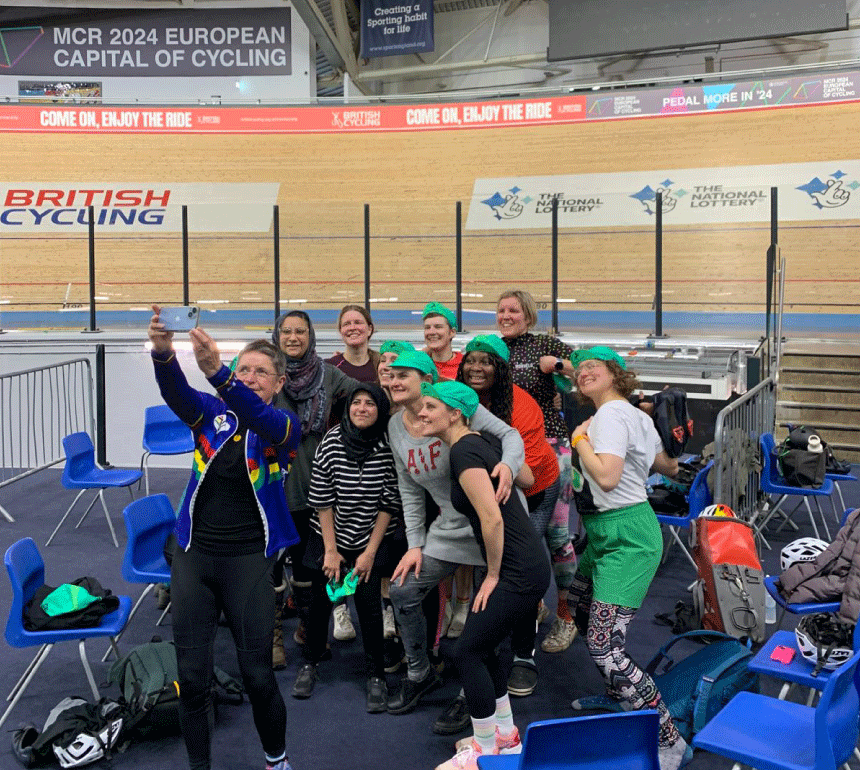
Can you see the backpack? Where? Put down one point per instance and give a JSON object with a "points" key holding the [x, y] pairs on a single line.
{"points": [[149, 680], [729, 595], [695, 688], [671, 420], [797, 465]]}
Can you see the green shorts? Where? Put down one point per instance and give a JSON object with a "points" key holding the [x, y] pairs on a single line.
{"points": [[624, 549]]}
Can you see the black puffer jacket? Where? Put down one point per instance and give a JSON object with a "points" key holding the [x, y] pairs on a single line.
{"points": [[833, 576]]}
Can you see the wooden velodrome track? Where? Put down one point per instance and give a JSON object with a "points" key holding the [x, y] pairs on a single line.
{"points": [[412, 180]]}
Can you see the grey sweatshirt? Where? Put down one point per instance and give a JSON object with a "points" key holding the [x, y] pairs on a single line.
{"points": [[424, 464]]}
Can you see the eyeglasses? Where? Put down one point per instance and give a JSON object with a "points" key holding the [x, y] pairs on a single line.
{"points": [[257, 374], [588, 366], [297, 332]]}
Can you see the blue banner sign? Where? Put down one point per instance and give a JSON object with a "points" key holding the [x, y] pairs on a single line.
{"points": [[395, 27]]}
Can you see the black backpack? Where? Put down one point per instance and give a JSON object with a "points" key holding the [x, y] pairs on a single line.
{"points": [[672, 421]]}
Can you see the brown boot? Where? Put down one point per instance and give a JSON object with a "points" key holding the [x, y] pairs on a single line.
{"points": [[279, 660]]}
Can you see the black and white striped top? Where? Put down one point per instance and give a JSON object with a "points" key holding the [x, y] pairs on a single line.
{"points": [[356, 493]]}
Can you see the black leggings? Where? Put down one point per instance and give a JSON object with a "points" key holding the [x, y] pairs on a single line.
{"points": [[201, 586], [475, 653]]}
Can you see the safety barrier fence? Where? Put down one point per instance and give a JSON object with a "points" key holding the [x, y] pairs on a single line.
{"points": [[38, 407], [635, 258], [737, 467]]}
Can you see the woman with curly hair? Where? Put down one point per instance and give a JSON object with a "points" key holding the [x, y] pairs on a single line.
{"points": [[617, 449], [485, 369]]}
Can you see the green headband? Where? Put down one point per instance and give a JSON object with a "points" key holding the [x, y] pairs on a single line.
{"points": [[416, 359], [395, 346], [454, 394], [437, 308], [489, 343], [599, 353]]}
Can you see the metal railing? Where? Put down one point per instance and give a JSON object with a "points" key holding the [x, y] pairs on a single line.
{"points": [[737, 467], [38, 407]]}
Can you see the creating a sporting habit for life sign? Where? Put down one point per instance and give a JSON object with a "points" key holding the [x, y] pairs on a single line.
{"points": [[396, 27]]}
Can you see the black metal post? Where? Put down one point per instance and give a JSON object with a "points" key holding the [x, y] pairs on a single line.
{"points": [[458, 263], [101, 408], [554, 279], [276, 234], [185, 299], [770, 262], [658, 267], [91, 220], [367, 256]]}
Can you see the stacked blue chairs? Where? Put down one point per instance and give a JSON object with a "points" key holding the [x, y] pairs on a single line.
{"points": [[772, 734], [163, 434], [625, 741], [27, 573], [81, 472], [773, 484], [148, 522], [698, 498]]}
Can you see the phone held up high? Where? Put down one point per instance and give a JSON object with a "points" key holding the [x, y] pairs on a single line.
{"points": [[179, 319]]}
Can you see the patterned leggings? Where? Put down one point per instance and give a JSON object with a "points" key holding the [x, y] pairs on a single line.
{"points": [[605, 637], [557, 529]]}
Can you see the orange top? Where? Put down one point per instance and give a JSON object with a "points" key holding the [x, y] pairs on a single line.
{"points": [[448, 369], [527, 418]]}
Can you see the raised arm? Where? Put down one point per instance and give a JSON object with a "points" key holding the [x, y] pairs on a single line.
{"points": [[513, 451]]}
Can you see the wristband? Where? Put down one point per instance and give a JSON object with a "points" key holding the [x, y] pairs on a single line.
{"points": [[579, 438]]}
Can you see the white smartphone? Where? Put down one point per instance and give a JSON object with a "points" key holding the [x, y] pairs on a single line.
{"points": [[180, 319]]}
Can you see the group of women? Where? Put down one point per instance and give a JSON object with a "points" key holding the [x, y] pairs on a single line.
{"points": [[439, 460]]}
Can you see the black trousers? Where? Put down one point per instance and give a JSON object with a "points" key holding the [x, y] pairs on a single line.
{"points": [[368, 602], [201, 586]]}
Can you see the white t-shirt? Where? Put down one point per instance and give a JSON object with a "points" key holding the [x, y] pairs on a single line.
{"points": [[622, 430]]}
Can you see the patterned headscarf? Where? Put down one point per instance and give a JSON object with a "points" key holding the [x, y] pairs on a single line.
{"points": [[304, 383]]}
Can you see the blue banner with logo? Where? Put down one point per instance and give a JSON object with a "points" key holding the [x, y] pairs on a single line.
{"points": [[395, 27]]}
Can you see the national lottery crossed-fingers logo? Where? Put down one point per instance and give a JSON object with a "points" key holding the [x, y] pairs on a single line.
{"points": [[647, 196], [832, 193], [507, 205]]}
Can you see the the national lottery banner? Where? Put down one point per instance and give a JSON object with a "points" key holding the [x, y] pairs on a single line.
{"points": [[396, 27], [170, 43], [807, 191], [61, 207]]}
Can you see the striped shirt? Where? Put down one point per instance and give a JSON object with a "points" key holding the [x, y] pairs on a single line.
{"points": [[356, 493]]}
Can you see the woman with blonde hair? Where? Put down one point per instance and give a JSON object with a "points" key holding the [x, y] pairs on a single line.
{"points": [[534, 359]]}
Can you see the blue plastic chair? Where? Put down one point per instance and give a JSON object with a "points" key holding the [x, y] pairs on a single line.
{"points": [[698, 498], [625, 741], [836, 478], [148, 522], [163, 434], [81, 472], [773, 484], [772, 734], [27, 573]]}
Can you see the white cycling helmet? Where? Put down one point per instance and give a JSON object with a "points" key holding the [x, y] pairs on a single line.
{"points": [[87, 748], [718, 510], [802, 549], [824, 640]]}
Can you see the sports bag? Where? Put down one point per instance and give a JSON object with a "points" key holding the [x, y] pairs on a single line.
{"points": [[797, 465], [729, 594], [696, 687], [149, 680]]}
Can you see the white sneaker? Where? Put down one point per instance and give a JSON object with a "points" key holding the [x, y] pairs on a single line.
{"points": [[388, 626], [343, 628]]}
